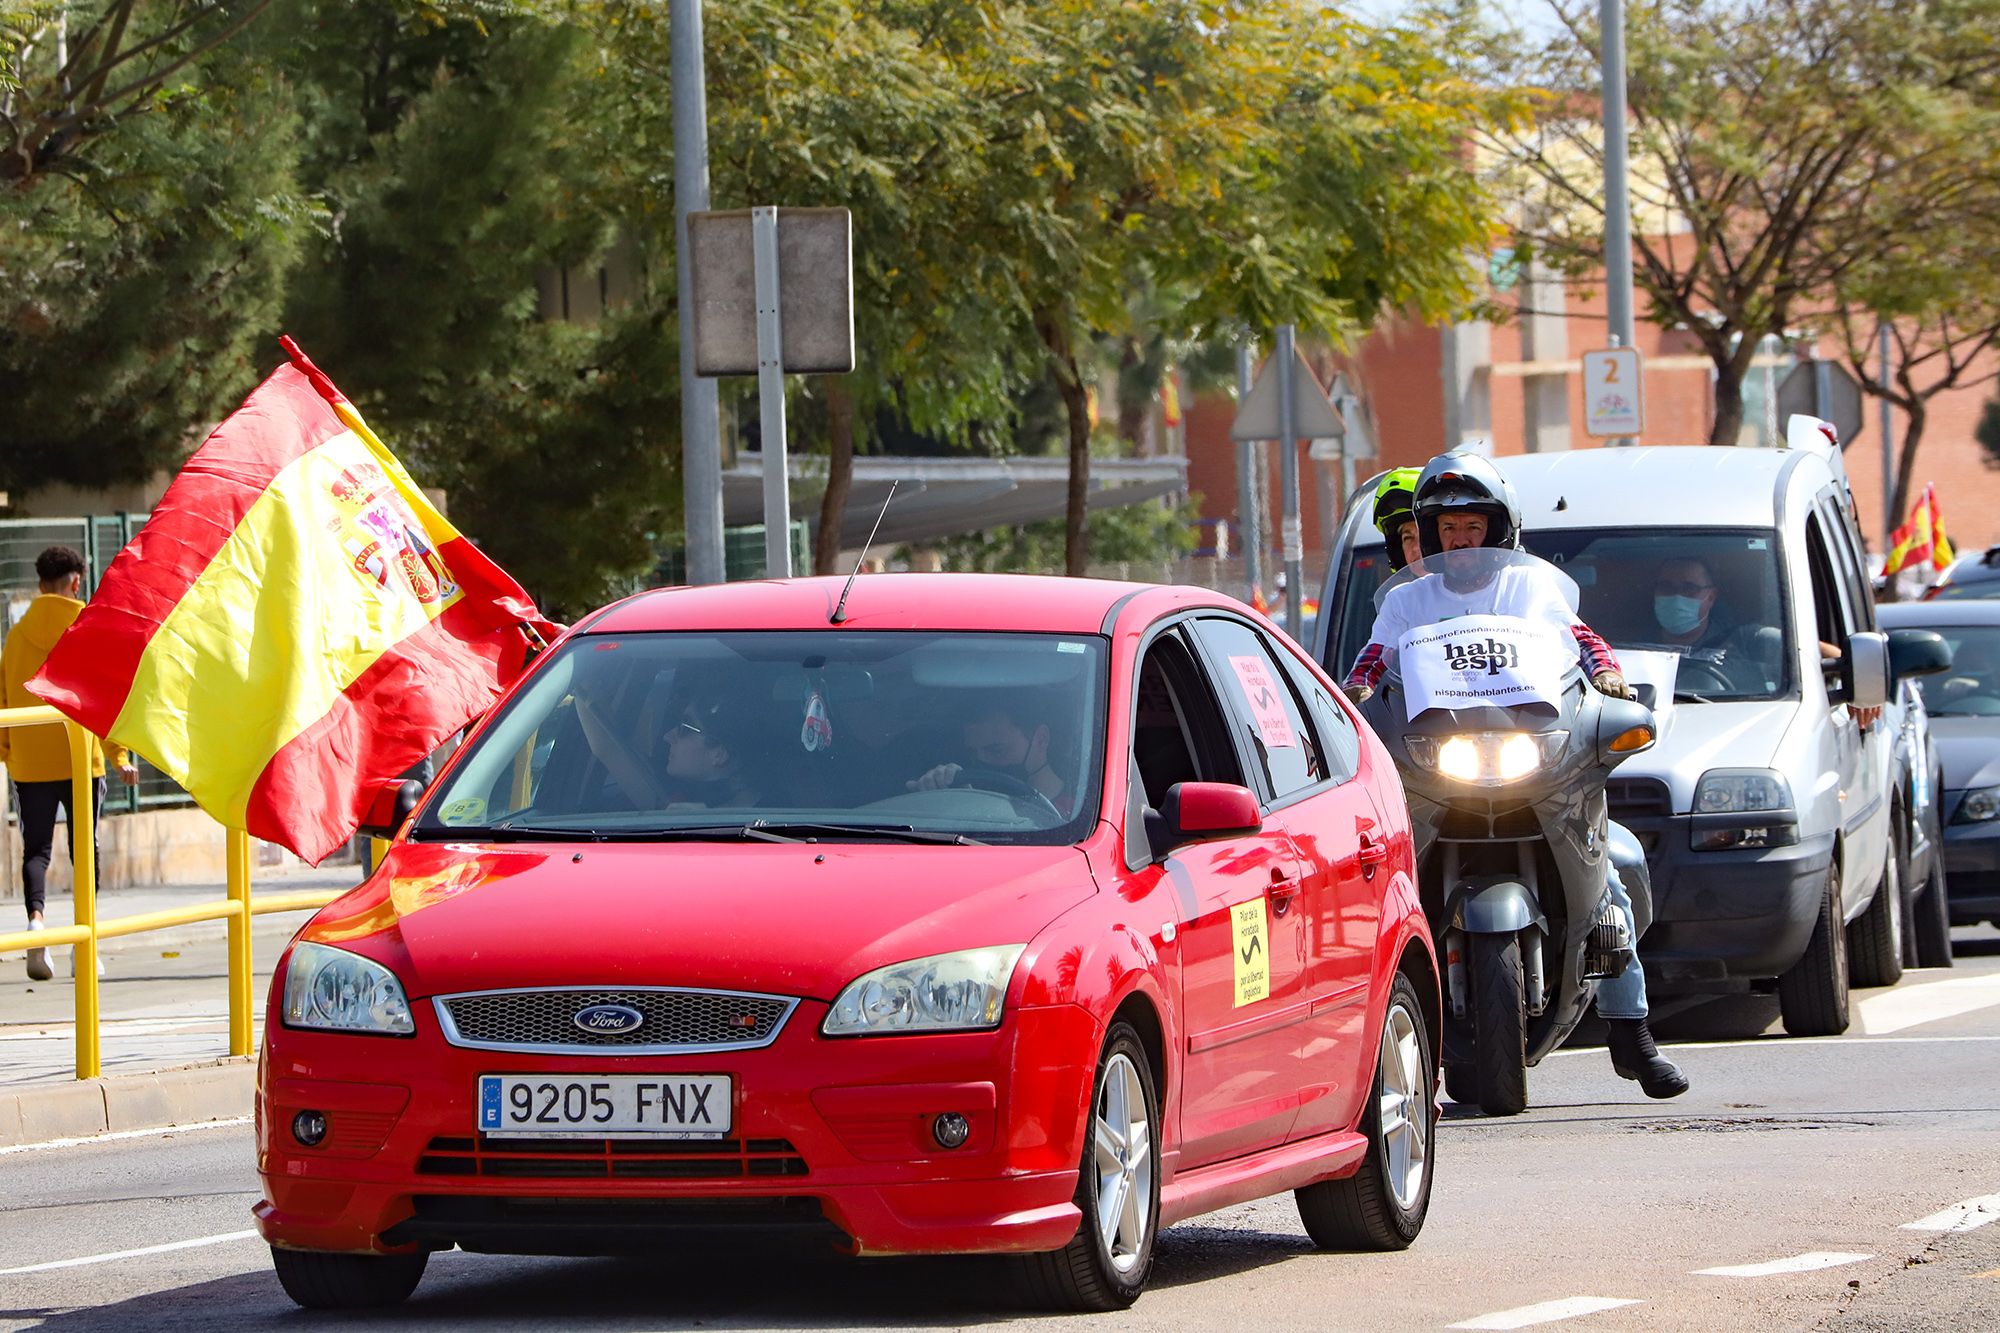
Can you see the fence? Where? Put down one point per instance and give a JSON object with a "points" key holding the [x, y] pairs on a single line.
{"points": [[236, 909], [98, 538]]}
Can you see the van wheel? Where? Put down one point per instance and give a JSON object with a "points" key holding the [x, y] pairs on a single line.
{"points": [[1382, 1205], [1877, 939], [1933, 916], [1499, 1023], [1105, 1265], [319, 1280], [1812, 994]]}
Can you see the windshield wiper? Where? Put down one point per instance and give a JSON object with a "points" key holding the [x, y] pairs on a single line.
{"points": [[513, 831], [896, 832], [1687, 697]]}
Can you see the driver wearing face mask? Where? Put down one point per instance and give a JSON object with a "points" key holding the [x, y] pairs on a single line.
{"points": [[1684, 604]]}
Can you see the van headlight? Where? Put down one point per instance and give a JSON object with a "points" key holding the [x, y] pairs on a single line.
{"points": [[946, 992], [1979, 806], [1487, 758], [1747, 791], [338, 991]]}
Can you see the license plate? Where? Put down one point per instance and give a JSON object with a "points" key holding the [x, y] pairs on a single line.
{"points": [[665, 1106]]}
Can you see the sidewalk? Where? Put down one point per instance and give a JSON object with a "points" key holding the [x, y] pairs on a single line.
{"points": [[164, 1009]]}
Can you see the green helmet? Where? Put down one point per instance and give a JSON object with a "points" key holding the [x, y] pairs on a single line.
{"points": [[1395, 497]]}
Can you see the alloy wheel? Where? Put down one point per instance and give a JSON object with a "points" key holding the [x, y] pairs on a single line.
{"points": [[1404, 1110], [1124, 1138]]}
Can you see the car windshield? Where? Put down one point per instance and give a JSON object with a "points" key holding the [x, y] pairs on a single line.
{"points": [[1712, 597], [1971, 688], [897, 736]]}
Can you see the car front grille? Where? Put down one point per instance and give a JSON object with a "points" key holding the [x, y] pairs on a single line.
{"points": [[612, 1159], [1629, 797], [674, 1022]]}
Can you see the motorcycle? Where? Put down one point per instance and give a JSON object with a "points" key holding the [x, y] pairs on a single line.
{"points": [[1504, 749]]}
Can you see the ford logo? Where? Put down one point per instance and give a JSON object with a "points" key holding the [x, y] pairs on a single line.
{"points": [[609, 1018]]}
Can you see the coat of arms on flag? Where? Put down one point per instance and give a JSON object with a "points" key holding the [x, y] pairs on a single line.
{"points": [[294, 622], [1921, 539]]}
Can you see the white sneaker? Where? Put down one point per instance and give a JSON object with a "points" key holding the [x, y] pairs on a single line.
{"points": [[38, 959], [72, 963]]}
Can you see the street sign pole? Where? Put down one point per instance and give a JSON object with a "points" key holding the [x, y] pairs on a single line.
{"points": [[1617, 195], [1291, 531], [771, 396], [1888, 446], [1247, 498], [701, 423]]}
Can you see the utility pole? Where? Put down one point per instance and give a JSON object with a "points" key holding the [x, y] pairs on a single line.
{"points": [[1249, 499], [701, 422], [1617, 193], [1888, 445], [1291, 531]]}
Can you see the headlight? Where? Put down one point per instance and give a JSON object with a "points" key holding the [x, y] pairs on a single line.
{"points": [[1980, 805], [947, 992], [1487, 758], [344, 992], [1724, 791]]}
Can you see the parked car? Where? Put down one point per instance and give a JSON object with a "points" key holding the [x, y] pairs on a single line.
{"points": [[1766, 810], [1964, 705], [979, 913], [1969, 577]]}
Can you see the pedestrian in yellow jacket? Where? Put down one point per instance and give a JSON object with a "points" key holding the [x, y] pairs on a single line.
{"points": [[37, 758]]}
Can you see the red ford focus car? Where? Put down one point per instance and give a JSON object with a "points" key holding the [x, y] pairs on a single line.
{"points": [[985, 913]]}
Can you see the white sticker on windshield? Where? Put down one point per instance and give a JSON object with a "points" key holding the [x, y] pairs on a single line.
{"points": [[1067, 647]]}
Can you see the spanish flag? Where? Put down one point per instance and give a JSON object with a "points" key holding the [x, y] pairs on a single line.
{"points": [[1920, 539], [294, 622]]}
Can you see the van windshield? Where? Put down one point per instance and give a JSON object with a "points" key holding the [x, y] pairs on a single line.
{"points": [[1711, 596]]}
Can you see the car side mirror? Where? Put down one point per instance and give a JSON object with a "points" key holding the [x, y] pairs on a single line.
{"points": [[1200, 811], [1864, 670], [1917, 652], [390, 803]]}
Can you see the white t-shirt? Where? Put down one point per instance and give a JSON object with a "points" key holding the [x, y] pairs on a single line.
{"points": [[1524, 591]]}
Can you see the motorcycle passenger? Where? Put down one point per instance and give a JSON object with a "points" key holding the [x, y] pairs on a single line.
{"points": [[1463, 502], [1395, 516]]}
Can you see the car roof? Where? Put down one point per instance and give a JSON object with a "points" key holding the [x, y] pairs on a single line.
{"points": [[1728, 487], [1018, 602], [1928, 615]]}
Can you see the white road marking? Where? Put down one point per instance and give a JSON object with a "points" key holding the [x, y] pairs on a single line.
{"points": [[1967, 1216], [1909, 1006], [230, 1123], [1798, 1263], [132, 1254], [1546, 1313], [1777, 1043]]}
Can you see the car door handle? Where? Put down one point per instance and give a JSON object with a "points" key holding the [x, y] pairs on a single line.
{"points": [[1283, 890], [1373, 852]]}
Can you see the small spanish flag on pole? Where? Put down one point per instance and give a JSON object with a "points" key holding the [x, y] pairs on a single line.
{"points": [[1921, 538], [294, 622]]}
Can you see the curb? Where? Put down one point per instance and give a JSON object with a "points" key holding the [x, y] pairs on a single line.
{"points": [[92, 1106]]}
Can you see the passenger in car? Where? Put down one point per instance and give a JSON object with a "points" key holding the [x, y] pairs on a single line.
{"points": [[708, 748]]}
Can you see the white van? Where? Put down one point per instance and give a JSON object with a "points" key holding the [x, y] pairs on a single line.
{"points": [[1765, 810]]}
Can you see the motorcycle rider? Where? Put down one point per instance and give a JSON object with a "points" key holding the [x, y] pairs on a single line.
{"points": [[1395, 516], [1461, 501]]}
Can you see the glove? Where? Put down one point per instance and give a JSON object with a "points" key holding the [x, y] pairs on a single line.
{"points": [[1613, 684], [1357, 694]]}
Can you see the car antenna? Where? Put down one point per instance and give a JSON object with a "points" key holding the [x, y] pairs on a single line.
{"points": [[840, 608]]}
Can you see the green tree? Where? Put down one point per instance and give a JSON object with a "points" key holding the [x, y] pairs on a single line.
{"points": [[1777, 149], [149, 215]]}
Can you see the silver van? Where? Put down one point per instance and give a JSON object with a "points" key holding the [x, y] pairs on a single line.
{"points": [[1766, 809]]}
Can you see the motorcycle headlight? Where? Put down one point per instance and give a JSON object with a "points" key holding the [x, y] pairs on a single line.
{"points": [[1487, 758], [946, 992], [1741, 791], [1979, 806], [338, 991]]}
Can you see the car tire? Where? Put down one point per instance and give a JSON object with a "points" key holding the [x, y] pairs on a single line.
{"points": [[1383, 1204], [1877, 934], [1499, 1023], [1461, 1084], [319, 1280], [1812, 994], [1106, 1264], [1933, 920]]}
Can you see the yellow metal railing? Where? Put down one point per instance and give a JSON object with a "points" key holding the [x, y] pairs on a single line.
{"points": [[236, 909]]}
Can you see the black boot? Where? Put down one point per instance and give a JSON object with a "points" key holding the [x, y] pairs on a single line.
{"points": [[1634, 1056]]}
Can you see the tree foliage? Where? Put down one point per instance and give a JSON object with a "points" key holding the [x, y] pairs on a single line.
{"points": [[1778, 149]]}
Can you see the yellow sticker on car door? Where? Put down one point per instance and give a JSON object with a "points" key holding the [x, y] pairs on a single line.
{"points": [[1250, 951]]}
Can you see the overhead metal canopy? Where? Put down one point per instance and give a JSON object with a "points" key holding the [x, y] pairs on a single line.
{"points": [[948, 497]]}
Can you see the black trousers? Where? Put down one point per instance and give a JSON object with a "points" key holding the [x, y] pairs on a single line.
{"points": [[37, 802]]}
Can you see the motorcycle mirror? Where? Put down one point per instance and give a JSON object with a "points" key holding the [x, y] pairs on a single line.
{"points": [[1624, 728]]}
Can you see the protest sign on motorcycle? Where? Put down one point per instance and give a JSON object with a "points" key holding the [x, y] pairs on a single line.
{"points": [[1489, 661]]}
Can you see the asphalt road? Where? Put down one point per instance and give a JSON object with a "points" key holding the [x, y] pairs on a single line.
{"points": [[1808, 1157]]}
